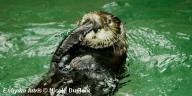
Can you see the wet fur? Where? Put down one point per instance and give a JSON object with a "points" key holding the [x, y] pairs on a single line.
{"points": [[80, 61]]}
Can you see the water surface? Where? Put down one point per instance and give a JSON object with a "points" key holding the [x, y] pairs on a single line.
{"points": [[159, 36]]}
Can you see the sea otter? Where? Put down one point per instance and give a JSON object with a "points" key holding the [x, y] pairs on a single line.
{"points": [[89, 59]]}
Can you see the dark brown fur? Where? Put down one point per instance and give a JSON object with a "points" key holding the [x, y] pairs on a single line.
{"points": [[77, 66]]}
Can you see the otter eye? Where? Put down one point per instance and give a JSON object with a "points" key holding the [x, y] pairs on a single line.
{"points": [[109, 21]]}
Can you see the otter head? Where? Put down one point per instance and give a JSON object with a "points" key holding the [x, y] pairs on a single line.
{"points": [[106, 30]]}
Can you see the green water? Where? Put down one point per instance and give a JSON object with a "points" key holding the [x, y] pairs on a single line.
{"points": [[159, 36]]}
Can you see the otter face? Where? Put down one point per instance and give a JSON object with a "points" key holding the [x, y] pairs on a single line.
{"points": [[106, 30]]}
